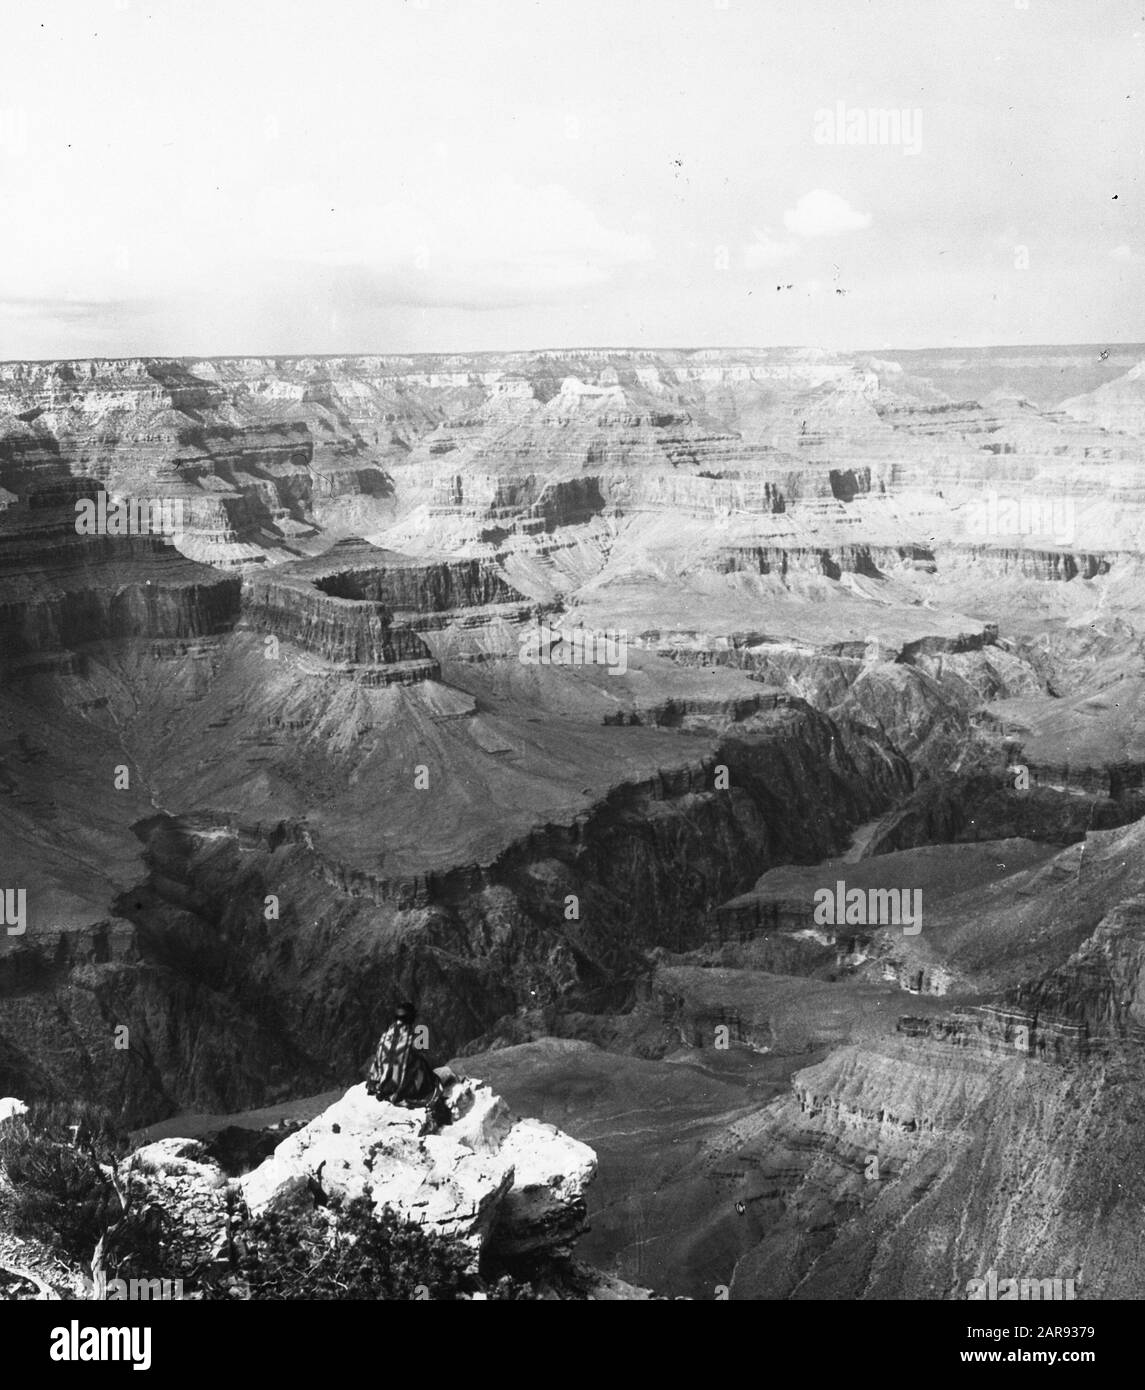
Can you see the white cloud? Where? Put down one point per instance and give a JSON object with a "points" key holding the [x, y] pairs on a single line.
{"points": [[1125, 254], [821, 213]]}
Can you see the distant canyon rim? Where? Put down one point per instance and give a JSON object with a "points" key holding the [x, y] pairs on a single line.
{"points": [[549, 689]]}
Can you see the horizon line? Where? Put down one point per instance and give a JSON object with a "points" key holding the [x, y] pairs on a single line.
{"points": [[571, 351]]}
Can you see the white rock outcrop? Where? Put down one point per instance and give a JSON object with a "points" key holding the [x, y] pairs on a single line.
{"points": [[488, 1178]]}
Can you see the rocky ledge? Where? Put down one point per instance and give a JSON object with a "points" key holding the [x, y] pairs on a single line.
{"points": [[359, 609], [508, 1187], [503, 1184]]}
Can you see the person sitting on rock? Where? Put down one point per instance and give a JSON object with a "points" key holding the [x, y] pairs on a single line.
{"points": [[400, 1072]]}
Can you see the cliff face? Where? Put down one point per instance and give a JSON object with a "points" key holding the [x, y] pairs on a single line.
{"points": [[182, 601], [559, 915], [61, 590], [515, 486], [359, 609], [946, 1163], [905, 1155], [905, 1166], [248, 472], [1095, 994], [356, 639], [419, 588], [266, 776]]}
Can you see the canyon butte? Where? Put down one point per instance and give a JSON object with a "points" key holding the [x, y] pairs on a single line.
{"points": [[882, 622]]}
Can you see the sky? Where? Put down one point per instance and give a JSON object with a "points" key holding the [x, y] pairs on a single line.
{"points": [[212, 177]]}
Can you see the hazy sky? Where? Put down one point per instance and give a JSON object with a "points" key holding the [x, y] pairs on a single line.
{"points": [[230, 176]]}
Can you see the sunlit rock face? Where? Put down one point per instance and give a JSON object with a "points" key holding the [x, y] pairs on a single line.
{"points": [[548, 688], [514, 1186]]}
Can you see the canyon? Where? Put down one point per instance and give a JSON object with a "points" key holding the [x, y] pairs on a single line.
{"points": [[265, 777]]}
